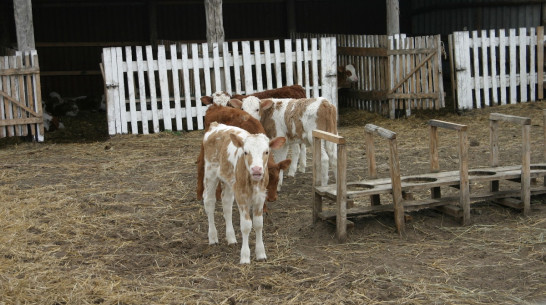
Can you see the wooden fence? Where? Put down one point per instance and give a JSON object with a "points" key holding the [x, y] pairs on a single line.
{"points": [[20, 96], [182, 73], [496, 67], [395, 72]]}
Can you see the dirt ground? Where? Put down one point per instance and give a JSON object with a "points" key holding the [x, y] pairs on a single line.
{"points": [[89, 219]]}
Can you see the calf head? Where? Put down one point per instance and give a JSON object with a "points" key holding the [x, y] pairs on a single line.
{"points": [[252, 105], [256, 152], [219, 98]]}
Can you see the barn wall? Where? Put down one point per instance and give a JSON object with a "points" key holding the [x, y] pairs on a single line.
{"points": [[70, 34], [446, 16]]}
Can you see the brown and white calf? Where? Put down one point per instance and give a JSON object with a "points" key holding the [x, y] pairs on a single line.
{"points": [[346, 76], [238, 159], [222, 98], [296, 119], [239, 118]]}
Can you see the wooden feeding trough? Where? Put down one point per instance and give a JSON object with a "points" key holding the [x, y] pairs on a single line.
{"points": [[396, 185]]}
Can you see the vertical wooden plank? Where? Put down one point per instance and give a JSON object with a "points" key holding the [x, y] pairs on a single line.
{"points": [[122, 115], [131, 89], [258, 60], [176, 87], [247, 65], [236, 67], [314, 67], [493, 59], [396, 188], [228, 62], [206, 73], [526, 169], [328, 69], [464, 187], [278, 61], [289, 62], [114, 85], [186, 81], [502, 66], [341, 198], [19, 92], [164, 87], [317, 165], [21, 113], [512, 60], [540, 61], [531, 39], [142, 90], [152, 86], [372, 166], [523, 64], [299, 62], [29, 94], [392, 74], [494, 150], [477, 83], [3, 101], [268, 73], [217, 67], [108, 67], [197, 85], [435, 192], [306, 62], [36, 86], [442, 102], [485, 61]]}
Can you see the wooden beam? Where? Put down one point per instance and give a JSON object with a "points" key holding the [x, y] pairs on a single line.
{"points": [[393, 17], [23, 25]]}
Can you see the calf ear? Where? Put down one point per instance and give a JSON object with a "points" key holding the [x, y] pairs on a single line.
{"points": [[277, 143], [238, 142], [266, 104], [235, 103], [340, 69], [284, 164], [206, 100]]}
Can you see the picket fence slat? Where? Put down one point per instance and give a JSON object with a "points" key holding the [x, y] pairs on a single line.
{"points": [[515, 52], [150, 94]]}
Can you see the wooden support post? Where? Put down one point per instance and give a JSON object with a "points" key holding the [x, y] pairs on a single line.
{"points": [[526, 169], [341, 202], [372, 167], [494, 151], [24, 25], [396, 188], [317, 199], [435, 192], [464, 186]]}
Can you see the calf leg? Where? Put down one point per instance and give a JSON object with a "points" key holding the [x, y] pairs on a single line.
{"points": [[227, 205], [246, 226], [280, 154], [295, 156], [209, 201], [258, 223], [303, 158]]}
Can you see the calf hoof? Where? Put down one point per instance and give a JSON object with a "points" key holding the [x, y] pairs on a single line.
{"points": [[261, 259]]}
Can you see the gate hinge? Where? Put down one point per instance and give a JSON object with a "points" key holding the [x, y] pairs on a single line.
{"points": [[111, 85]]}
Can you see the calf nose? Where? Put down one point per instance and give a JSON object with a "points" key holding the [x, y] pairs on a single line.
{"points": [[257, 170]]}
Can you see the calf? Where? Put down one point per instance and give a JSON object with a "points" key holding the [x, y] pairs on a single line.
{"points": [[238, 159], [296, 119], [346, 76], [222, 98], [239, 118]]}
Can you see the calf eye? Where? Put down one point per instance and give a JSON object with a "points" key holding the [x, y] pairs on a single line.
{"points": [[267, 153], [258, 110], [246, 152]]}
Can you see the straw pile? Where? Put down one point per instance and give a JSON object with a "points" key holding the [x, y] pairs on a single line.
{"points": [[97, 220]]}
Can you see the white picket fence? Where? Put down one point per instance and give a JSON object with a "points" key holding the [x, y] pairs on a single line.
{"points": [[182, 73], [496, 68]]}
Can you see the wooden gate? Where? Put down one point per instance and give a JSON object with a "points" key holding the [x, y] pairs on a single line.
{"points": [[395, 72], [20, 96], [497, 67]]}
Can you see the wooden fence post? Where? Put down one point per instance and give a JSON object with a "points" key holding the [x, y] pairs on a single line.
{"points": [[461, 45]]}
